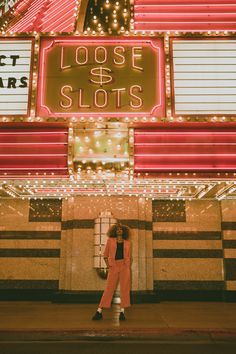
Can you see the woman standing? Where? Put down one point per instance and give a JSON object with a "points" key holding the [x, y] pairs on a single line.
{"points": [[117, 258]]}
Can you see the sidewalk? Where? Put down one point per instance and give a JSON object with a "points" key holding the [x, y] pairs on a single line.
{"points": [[175, 321]]}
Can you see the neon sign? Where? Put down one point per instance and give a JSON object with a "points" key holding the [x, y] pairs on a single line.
{"points": [[111, 77]]}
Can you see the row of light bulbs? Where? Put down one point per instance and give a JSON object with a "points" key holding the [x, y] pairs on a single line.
{"points": [[129, 33], [129, 120]]}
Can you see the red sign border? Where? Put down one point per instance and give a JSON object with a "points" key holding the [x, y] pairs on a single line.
{"points": [[47, 42]]}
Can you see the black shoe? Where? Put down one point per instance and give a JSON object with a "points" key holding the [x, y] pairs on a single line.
{"points": [[97, 316], [122, 316]]}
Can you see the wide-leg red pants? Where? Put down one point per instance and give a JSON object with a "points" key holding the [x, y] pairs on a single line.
{"points": [[117, 272]]}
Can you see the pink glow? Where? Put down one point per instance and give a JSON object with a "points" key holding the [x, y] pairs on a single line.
{"points": [[182, 144], [25, 22], [32, 168], [34, 149], [157, 45], [184, 2], [57, 15], [182, 155], [185, 168], [31, 155], [192, 15], [210, 148], [32, 144], [31, 133], [21, 5]]}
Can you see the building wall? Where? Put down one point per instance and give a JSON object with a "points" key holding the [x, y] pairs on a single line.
{"points": [[228, 210], [176, 245], [187, 247], [29, 250], [77, 250]]}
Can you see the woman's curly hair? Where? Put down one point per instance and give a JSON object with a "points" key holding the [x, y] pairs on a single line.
{"points": [[112, 232]]}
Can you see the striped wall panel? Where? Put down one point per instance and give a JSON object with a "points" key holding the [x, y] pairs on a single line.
{"points": [[89, 224], [184, 15], [228, 225], [188, 255], [229, 245], [204, 76], [29, 251], [28, 285], [30, 235], [29, 150]]}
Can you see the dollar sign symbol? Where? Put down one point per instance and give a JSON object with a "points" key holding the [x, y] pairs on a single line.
{"points": [[102, 76]]}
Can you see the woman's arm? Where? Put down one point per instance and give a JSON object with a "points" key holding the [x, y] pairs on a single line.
{"points": [[106, 254], [106, 261], [130, 253]]}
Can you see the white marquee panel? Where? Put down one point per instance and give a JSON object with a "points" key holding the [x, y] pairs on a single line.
{"points": [[15, 65], [204, 76]]}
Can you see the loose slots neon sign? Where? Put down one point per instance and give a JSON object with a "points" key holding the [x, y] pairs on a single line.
{"points": [[94, 77]]}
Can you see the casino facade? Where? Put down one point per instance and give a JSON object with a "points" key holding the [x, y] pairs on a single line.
{"points": [[118, 110]]}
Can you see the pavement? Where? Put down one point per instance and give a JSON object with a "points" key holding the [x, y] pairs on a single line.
{"points": [[179, 322]]}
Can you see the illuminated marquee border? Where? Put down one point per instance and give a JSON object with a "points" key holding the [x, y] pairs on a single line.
{"points": [[32, 39], [157, 46]]}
